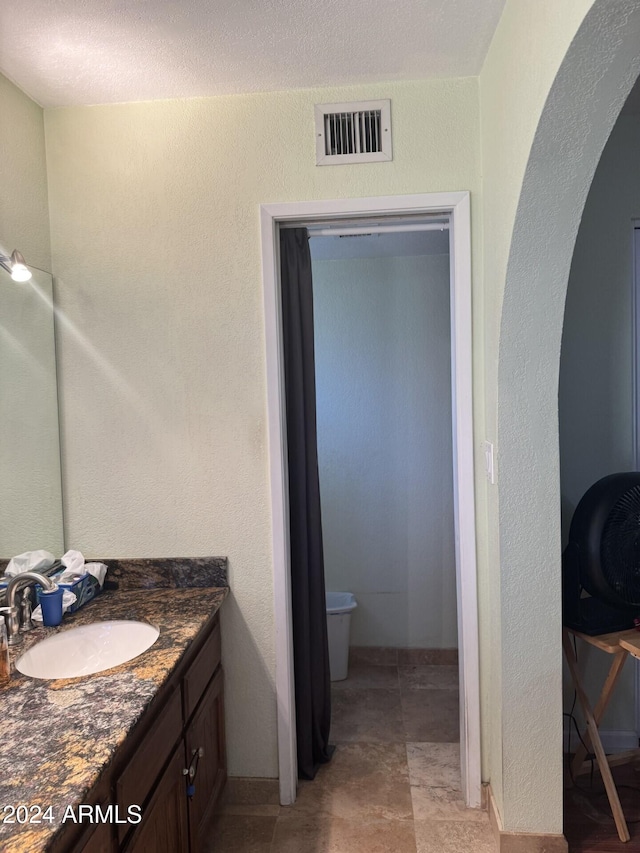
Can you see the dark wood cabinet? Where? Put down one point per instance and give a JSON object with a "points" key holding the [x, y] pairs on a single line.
{"points": [[100, 840], [136, 782], [172, 765], [91, 838], [164, 826], [179, 804], [204, 741]]}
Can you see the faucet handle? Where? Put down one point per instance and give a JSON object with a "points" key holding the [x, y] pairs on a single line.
{"points": [[25, 611], [11, 618]]}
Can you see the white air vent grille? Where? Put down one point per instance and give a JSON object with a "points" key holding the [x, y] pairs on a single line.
{"points": [[353, 133]]}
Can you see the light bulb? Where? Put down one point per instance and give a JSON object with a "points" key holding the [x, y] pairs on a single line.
{"points": [[19, 270], [20, 273]]}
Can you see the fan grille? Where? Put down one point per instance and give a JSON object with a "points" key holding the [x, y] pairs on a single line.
{"points": [[620, 547]]}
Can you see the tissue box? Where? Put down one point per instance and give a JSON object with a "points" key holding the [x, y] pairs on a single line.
{"points": [[84, 589]]}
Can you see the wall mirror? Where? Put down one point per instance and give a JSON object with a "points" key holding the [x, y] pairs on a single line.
{"points": [[30, 477]]}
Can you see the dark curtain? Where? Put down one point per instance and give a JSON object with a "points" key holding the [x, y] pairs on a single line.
{"points": [[310, 648]]}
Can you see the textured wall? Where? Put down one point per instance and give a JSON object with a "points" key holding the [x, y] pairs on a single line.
{"points": [[514, 83], [596, 365], [31, 501], [383, 386], [555, 78], [155, 235], [24, 221]]}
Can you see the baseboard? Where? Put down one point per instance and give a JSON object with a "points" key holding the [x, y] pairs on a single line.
{"points": [[245, 790], [392, 656], [618, 741], [522, 842], [613, 740]]}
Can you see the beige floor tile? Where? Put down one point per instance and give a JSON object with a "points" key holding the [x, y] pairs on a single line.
{"points": [[428, 677], [362, 782], [242, 834], [362, 674], [368, 715], [431, 715], [298, 833], [257, 809], [436, 790], [434, 765], [443, 804], [454, 837], [397, 759]]}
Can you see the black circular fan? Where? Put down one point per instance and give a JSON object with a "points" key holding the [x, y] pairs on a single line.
{"points": [[603, 556]]}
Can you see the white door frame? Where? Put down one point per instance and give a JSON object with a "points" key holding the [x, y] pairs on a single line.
{"points": [[456, 205]]}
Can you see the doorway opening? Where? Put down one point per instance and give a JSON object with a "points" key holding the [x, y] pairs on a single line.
{"points": [[452, 208], [598, 431], [384, 429]]}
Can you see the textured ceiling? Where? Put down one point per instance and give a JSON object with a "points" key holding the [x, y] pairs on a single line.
{"points": [[71, 52]]}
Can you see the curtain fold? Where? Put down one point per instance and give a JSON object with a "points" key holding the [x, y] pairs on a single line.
{"points": [[310, 647]]}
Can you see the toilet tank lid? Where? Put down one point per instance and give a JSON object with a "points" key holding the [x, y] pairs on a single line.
{"points": [[340, 602]]}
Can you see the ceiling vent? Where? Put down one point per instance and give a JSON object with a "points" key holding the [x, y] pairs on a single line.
{"points": [[353, 133]]}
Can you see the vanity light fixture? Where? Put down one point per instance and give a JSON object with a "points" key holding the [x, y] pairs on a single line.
{"points": [[15, 266]]}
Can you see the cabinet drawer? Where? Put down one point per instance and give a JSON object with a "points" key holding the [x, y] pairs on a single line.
{"points": [[201, 671], [138, 777]]}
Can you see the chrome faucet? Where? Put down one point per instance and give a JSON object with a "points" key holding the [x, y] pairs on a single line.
{"points": [[11, 613]]}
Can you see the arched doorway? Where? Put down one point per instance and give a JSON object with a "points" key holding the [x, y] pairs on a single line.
{"points": [[585, 99]]}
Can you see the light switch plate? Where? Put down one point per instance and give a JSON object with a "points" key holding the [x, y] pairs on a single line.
{"points": [[488, 461]]}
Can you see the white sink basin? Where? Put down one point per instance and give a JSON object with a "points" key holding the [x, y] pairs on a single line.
{"points": [[87, 649]]}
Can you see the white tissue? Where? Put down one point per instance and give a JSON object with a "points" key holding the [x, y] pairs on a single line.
{"points": [[68, 598], [30, 561], [98, 570], [73, 561]]}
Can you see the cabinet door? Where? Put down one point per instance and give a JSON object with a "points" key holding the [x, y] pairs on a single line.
{"points": [[206, 756], [100, 840], [164, 821], [137, 780]]}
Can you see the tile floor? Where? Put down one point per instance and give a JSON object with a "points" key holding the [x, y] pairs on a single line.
{"points": [[393, 785]]}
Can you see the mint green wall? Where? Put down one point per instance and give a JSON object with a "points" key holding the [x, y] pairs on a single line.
{"points": [[155, 234], [545, 121], [156, 248], [526, 53], [24, 213]]}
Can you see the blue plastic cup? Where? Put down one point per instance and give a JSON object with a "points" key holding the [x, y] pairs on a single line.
{"points": [[51, 603]]}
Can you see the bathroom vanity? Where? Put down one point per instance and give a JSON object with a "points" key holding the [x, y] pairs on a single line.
{"points": [[183, 729], [133, 758]]}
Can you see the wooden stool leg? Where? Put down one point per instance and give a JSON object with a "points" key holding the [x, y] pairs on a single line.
{"points": [[594, 736], [601, 706]]}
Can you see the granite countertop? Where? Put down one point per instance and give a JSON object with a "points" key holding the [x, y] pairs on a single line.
{"points": [[59, 735]]}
